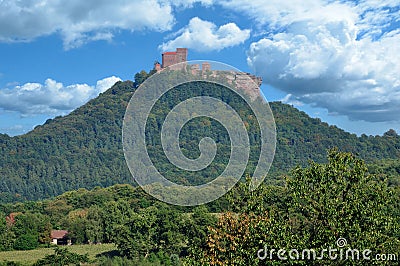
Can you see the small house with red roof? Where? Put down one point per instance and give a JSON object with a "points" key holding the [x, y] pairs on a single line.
{"points": [[60, 237]]}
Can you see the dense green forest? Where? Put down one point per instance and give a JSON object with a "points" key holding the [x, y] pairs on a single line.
{"points": [[318, 205], [324, 185], [84, 150]]}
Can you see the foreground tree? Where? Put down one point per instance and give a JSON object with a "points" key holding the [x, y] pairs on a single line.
{"points": [[7, 237], [31, 229], [61, 257], [152, 230], [342, 200], [324, 202]]}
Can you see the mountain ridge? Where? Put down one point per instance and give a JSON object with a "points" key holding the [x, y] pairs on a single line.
{"points": [[83, 149]]}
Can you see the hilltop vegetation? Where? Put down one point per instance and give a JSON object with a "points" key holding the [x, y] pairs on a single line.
{"points": [[319, 204], [84, 150]]}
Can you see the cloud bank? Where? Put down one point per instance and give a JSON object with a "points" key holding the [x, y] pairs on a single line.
{"points": [[52, 97], [79, 22], [340, 55], [337, 55]]}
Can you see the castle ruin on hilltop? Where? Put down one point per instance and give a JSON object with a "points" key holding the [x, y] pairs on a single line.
{"points": [[241, 79], [172, 58]]}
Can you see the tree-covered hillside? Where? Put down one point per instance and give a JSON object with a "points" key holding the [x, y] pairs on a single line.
{"points": [[84, 148], [320, 205]]}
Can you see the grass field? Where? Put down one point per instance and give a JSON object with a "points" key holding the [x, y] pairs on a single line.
{"points": [[31, 256]]}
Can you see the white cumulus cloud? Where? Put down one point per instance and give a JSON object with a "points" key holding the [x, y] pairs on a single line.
{"points": [[52, 97], [78, 21], [343, 56], [203, 35]]}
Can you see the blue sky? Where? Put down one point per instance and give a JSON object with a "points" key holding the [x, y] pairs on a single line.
{"points": [[336, 60]]}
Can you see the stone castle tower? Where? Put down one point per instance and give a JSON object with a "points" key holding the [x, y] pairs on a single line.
{"points": [[241, 79], [171, 58]]}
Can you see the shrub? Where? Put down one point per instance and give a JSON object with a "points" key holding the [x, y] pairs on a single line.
{"points": [[26, 242]]}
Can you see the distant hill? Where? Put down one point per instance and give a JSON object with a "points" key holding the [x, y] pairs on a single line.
{"points": [[84, 150]]}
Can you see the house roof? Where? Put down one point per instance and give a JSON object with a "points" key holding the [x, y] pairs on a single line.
{"points": [[58, 234]]}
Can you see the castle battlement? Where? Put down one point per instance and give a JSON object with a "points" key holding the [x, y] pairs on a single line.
{"points": [[241, 79], [172, 58]]}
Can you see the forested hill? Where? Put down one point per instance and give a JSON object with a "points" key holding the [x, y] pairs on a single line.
{"points": [[84, 150]]}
